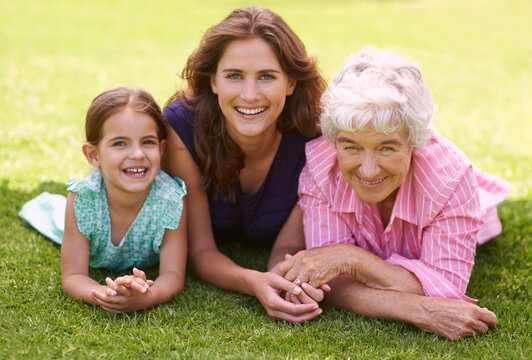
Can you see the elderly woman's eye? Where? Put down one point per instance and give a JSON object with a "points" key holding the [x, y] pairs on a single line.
{"points": [[388, 148]]}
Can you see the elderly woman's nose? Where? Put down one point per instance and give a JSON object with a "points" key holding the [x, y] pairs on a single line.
{"points": [[369, 167]]}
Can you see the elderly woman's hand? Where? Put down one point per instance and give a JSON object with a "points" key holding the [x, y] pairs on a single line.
{"points": [[317, 266]]}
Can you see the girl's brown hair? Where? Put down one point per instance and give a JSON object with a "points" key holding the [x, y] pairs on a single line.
{"points": [[220, 157], [112, 101]]}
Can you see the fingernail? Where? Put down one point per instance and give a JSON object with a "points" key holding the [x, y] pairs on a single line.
{"points": [[146, 286], [297, 290], [315, 307], [304, 285], [320, 311]]}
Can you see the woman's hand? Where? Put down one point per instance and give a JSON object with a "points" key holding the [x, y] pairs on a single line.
{"points": [[454, 319], [268, 288], [316, 266]]}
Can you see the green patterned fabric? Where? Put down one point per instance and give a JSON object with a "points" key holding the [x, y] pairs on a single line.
{"points": [[140, 246]]}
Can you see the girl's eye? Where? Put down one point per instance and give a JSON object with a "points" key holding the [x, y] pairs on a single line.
{"points": [[267, 77], [234, 76], [150, 142], [119, 143]]}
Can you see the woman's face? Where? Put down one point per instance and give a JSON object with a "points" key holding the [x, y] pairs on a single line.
{"points": [[374, 164], [251, 87]]}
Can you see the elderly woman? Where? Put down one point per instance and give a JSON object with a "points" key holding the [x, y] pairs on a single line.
{"points": [[392, 206]]}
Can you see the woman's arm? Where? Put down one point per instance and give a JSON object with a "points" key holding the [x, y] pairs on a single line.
{"points": [[75, 259], [450, 318], [207, 261], [290, 239]]}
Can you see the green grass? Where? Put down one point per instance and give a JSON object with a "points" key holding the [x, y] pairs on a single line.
{"points": [[57, 55]]}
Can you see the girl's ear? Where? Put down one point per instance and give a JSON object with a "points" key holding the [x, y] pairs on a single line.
{"points": [[91, 154], [162, 146]]}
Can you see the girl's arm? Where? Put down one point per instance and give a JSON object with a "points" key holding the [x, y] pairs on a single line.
{"points": [[172, 264], [208, 262], [75, 259]]}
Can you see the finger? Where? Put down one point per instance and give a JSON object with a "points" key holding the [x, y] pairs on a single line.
{"points": [[150, 282], [298, 318], [121, 290], [287, 256], [110, 292], [139, 273], [139, 285], [488, 317], [316, 294], [283, 284], [123, 281], [294, 299], [282, 306], [284, 266], [326, 287]]}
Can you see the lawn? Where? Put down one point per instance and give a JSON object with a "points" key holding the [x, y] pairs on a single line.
{"points": [[57, 55]]}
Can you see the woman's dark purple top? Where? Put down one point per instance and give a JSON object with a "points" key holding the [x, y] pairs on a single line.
{"points": [[253, 219]]}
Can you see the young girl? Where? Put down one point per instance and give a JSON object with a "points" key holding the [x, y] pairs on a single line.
{"points": [[128, 213]]}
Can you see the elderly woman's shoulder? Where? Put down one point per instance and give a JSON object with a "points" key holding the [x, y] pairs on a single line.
{"points": [[440, 162], [320, 158]]}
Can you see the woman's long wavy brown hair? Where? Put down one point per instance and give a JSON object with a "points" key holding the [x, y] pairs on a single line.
{"points": [[220, 157]]}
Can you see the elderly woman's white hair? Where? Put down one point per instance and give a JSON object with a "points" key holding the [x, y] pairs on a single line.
{"points": [[382, 88]]}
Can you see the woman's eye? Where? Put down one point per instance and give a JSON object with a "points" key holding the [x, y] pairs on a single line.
{"points": [[267, 77], [234, 76], [388, 149]]}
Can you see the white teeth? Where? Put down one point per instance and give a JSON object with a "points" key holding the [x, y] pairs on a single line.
{"points": [[136, 171], [250, 111]]}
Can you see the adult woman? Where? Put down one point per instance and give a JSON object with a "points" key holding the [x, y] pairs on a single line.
{"points": [[237, 139], [397, 206]]}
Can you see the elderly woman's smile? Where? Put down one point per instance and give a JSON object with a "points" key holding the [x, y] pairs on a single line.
{"points": [[373, 163]]}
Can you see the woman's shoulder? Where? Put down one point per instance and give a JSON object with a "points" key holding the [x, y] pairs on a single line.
{"points": [[177, 109]]}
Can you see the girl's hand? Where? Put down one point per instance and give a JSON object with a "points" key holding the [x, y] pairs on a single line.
{"points": [[119, 298], [137, 281]]}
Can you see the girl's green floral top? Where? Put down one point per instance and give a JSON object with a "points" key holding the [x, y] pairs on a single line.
{"points": [[140, 246]]}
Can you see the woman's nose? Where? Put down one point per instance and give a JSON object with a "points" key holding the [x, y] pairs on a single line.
{"points": [[250, 92]]}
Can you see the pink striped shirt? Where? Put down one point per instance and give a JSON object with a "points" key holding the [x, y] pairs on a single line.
{"points": [[443, 209]]}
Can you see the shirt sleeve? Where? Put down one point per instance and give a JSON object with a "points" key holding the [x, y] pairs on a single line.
{"points": [[448, 244], [321, 225]]}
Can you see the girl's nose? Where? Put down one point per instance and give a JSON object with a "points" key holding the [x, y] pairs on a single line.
{"points": [[137, 152]]}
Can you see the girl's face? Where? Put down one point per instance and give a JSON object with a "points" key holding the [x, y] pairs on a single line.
{"points": [[252, 88], [129, 152]]}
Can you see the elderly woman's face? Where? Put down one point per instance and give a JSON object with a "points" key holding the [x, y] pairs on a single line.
{"points": [[374, 164]]}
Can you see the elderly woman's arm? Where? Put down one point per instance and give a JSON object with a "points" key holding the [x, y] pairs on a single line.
{"points": [[450, 318]]}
